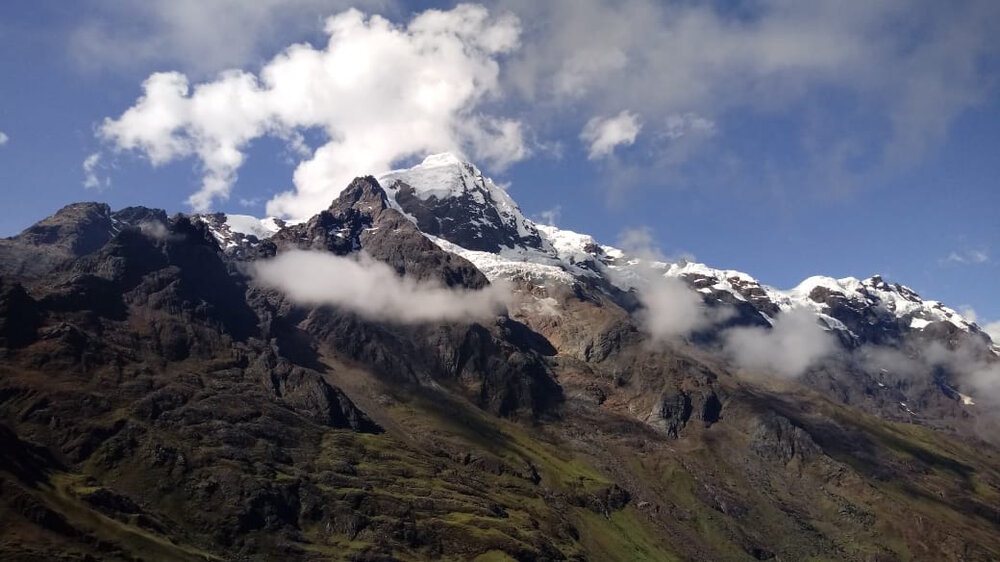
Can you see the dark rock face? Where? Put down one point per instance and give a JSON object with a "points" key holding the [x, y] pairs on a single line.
{"points": [[776, 439], [179, 273], [177, 284], [872, 324], [469, 220], [671, 413], [511, 378], [28, 462], [308, 393], [711, 409], [79, 229], [609, 341], [747, 312], [138, 216], [493, 367], [74, 231], [19, 316]]}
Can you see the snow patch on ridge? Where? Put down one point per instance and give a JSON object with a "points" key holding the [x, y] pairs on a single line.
{"points": [[232, 230], [514, 264], [252, 226]]}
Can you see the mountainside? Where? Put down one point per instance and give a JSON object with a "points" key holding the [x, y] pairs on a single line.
{"points": [[159, 400]]}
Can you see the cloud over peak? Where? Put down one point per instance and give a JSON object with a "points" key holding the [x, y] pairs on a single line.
{"points": [[379, 91]]}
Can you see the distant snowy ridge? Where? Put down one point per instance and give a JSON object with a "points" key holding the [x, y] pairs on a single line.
{"points": [[564, 256], [454, 193]]}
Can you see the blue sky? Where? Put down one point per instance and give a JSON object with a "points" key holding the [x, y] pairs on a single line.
{"points": [[784, 139]]}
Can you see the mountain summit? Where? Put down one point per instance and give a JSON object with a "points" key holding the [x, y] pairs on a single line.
{"points": [[451, 199], [162, 398]]}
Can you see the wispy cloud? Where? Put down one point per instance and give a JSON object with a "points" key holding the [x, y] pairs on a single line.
{"points": [[3, 138], [980, 378], [681, 124], [967, 257], [198, 36], [551, 216], [91, 177], [666, 60], [374, 290], [604, 134], [992, 329], [672, 309], [793, 344]]}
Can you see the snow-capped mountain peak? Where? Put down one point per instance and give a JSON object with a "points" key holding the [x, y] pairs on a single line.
{"points": [[450, 198], [438, 175]]}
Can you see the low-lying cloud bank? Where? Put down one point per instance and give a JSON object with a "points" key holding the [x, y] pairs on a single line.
{"points": [[374, 290], [976, 375], [969, 366], [792, 345], [672, 310], [796, 341]]}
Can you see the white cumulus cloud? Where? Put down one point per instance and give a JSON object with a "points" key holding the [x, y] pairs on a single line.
{"points": [[374, 290], [381, 93], [603, 134]]}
